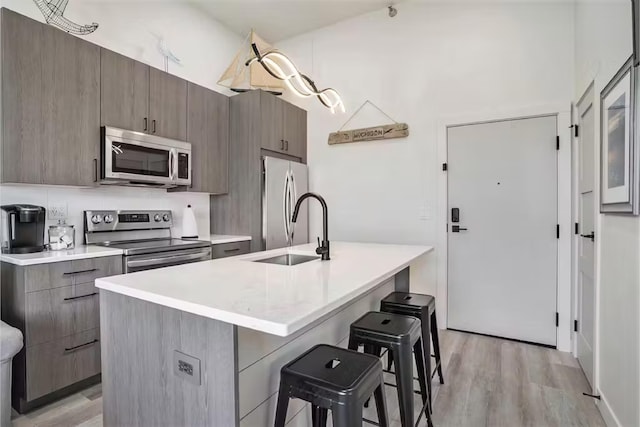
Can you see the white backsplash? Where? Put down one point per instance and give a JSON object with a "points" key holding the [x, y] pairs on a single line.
{"points": [[78, 200]]}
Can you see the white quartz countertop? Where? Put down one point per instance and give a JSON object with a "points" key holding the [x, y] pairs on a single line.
{"points": [[217, 239], [270, 298], [79, 252]]}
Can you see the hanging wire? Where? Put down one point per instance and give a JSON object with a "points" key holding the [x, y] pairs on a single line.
{"points": [[360, 108]]}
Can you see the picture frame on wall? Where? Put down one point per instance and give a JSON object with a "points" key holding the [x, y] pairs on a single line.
{"points": [[618, 143]]}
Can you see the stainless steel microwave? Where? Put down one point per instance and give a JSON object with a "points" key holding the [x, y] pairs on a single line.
{"points": [[135, 158]]}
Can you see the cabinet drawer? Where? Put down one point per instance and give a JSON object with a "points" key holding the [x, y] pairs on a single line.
{"points": [[59, 274], [63, 362], [59, 312], [223, 250]]}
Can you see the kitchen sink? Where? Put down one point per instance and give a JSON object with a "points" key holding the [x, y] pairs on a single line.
{"points": [[287, 259]]}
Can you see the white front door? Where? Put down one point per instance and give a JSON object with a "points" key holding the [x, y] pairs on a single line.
{"points": [[586, 227], [502, 257]]}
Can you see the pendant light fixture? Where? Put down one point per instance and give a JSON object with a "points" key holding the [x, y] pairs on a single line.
{"points": [[282, 68], [53, 12]]}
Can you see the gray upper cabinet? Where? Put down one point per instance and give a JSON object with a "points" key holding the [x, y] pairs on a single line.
{"points": [[295, 131], [167, 105], [208, 133], [124, 92], [50, 104], [284, 126], [272, 111]]}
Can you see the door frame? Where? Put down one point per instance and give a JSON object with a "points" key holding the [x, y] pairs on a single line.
{"points": [[575, 199], [565, 216]]}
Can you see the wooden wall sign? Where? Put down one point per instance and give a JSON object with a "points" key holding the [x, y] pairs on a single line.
{"points": [[397, 130]]}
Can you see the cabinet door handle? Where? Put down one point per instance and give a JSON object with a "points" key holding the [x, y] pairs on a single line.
{"points": [[71, 273], [286, 145], [80, 296], [70, 349], [282, 144], [153, 125], [228, 251], [95, 170], [145, 124]]}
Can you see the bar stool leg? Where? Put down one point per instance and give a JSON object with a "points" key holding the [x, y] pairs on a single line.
{"points": [[318, 416], [381, 405], [404, 381], [426, 343], [282, 406], [346, 416], [376, 350], [422, 379], [436, 345]]}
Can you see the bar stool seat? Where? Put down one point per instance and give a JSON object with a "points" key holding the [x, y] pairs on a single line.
{"points": [[402, 336], [422, 307], [336, 379]]}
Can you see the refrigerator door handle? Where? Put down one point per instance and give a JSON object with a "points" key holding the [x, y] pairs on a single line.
{"points": [[294, 198], [286, 206]]}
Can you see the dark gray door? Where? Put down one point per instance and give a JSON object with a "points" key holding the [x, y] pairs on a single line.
{"points": [[167, 105], [124, 92], [208, 133], [295, 130], [272, 110]]}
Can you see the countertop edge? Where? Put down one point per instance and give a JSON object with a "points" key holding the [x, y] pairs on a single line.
{"points": [[217, 239], [266, 326], [8, 258]]}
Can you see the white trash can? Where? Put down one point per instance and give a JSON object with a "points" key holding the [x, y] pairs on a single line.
{"points": [[10, 345]]}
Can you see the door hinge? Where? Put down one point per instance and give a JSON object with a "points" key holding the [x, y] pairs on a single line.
{"points": [[575, 325], [557, 231], [576, 229], [557, 319], [557, 142], [444, 167]]}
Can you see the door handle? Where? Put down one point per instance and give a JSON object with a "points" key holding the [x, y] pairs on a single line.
{"points": [[145, 124], [153, 124], [591, 236], [286, 146], [457, 229], [282, 144]]}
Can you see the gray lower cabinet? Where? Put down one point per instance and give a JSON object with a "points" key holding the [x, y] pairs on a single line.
{"points": [[208, 133], [224, 250], [50, 104], [56, 306]]}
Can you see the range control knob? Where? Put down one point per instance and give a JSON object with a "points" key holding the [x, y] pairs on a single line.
{"points": [[96, 219], [157, 218], [108, 219], [166, 217]]}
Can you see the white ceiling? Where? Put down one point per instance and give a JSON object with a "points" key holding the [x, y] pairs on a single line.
{"points": [[276, 20]]}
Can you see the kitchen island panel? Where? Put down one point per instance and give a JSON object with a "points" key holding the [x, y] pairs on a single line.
{"points": [[140, 386]]}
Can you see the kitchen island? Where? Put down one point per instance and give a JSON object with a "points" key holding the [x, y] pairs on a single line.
{"points": [[203, 343]]}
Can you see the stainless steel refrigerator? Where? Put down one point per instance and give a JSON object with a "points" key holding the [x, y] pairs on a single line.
{"points": [[283, 182]]}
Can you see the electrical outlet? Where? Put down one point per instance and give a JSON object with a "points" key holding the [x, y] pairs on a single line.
{"points": [[186, 367], [57, 210]]}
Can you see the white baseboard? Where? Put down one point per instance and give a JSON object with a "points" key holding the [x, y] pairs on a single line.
{"points": [[607, 413]]}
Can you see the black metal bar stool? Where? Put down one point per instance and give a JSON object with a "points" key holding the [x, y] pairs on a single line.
{"points": [[401, 335], [422, 307], [333, 378]]}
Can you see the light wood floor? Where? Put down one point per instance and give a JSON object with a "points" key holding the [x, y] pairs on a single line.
{"points": [[488, 382]]}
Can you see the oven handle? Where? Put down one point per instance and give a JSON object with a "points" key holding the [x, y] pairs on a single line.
{"points": [[169, 259]]}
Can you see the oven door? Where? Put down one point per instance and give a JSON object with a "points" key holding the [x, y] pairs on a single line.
{"points": [[135, 263]]}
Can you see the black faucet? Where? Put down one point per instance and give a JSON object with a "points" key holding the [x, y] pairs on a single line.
{"points": [[323, 249]]}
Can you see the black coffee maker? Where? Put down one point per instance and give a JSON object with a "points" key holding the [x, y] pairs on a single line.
{"points": [[22, 229]]}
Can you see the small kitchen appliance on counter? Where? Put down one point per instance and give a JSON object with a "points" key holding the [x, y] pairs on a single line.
{"points": [[62, 236], [144, 237], [22, 229]]}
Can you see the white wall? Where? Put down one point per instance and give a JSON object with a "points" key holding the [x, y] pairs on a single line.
{"points": [[603, 43], [204, 47], [78, 200], [433, 64]]}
